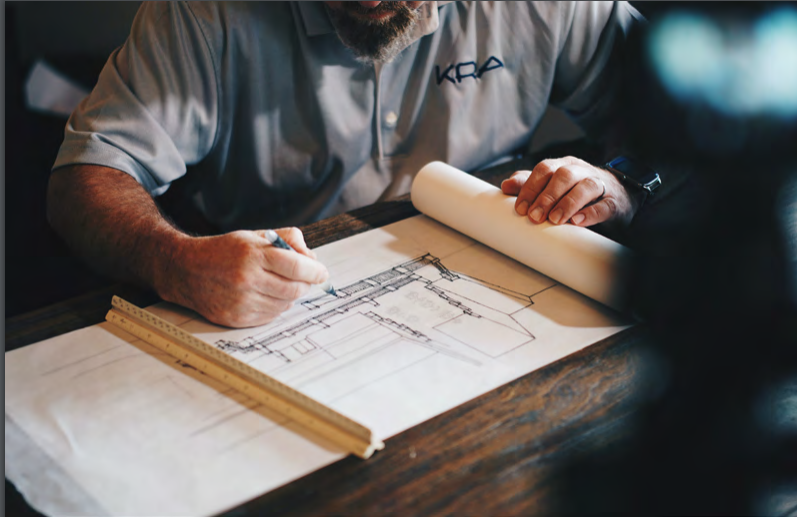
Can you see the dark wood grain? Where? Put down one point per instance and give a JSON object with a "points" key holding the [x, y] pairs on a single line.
{"points": [[73, 314], [497, 454], [357, 221]]}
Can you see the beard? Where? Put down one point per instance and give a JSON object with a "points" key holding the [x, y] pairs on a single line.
{"points": [[374, 41]]}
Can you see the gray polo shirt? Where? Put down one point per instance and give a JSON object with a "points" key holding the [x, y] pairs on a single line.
{"points": [[275, 123]]}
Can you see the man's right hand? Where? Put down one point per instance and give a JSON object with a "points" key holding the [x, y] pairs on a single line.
{"points": [[239, 279]]}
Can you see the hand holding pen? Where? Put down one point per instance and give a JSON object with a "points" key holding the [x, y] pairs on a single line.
{"points": [[279, 242]]}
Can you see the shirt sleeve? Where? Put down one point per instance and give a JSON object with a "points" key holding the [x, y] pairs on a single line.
{"points": [[154, 109], [587, 74]]}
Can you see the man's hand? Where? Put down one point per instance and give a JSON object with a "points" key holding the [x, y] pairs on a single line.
{"points": [[567, 189], [239, 279]]}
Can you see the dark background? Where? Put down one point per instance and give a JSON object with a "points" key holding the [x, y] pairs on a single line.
{"points": [[76, 39]]}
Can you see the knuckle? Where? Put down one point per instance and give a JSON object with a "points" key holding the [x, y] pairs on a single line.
{"points": [[234, 241], [568, 204], [295, 236], [285, 291], [294, 291], [275, 259], [546, 199], [543, 169], [295, 267], [241, 238], [514, 184], [301, 290], [611, 206], [592, 183], [245, 250], [239, 278], [528, 193], [565, 174], [275, 287], [230, 318]]}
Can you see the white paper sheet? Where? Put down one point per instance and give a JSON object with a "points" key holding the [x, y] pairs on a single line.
{"points": [[427, 320], [48, 91]]}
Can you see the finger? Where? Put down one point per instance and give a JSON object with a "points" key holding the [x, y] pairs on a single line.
{"points": [[294, 266], [601, 211], [280, 288], [265, 311], [295, 238], [512, 185], [534, 185], [564, 179], [585, 192], [251, 310], [270, 308]]}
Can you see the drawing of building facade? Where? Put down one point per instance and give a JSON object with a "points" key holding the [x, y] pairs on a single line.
{"points": [[419, 306]]}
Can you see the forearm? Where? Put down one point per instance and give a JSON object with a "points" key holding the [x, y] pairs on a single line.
{"points": [[237, 279], [108, 219]]}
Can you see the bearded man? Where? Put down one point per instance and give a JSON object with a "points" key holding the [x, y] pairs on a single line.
{"points": [[285, 113]]}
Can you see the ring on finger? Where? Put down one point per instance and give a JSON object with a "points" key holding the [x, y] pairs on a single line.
{"points": [[604, 188]]}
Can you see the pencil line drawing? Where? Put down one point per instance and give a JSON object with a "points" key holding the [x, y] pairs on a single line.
{"points": [[419, 306]]}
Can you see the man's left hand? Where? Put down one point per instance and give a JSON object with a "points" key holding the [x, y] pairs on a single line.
{"points": [[567, 189]]}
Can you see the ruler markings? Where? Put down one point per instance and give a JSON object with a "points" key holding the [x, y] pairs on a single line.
{"points": [[322, 419]]}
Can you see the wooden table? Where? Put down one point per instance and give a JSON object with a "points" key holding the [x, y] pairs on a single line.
{"points": [[497, 454]]}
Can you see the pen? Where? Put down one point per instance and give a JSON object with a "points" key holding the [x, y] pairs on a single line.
{"points": [[276, 240]]}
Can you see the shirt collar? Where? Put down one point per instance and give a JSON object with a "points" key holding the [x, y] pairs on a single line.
{"points": [[316, 20]]}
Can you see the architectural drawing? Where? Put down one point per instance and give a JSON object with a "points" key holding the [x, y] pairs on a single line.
{"points": [[425, 320], [419, 304]]}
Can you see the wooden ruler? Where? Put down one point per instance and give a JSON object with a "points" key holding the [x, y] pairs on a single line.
{"points": [[211, 361]]}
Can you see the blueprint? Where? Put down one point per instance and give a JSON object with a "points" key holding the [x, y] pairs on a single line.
{"points": [[419, 305], [424, 320]]}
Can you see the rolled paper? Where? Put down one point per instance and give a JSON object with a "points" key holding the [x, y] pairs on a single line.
{"points": [[576, 257]]}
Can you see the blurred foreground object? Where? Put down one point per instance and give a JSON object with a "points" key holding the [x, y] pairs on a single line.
{"points": [[711, 94], [48, 91], [737, 66]]}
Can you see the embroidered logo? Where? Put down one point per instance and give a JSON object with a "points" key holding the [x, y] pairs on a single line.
{"points": [[456, 73]]}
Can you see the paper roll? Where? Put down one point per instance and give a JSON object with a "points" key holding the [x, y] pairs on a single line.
{"points": [[576, 257]]}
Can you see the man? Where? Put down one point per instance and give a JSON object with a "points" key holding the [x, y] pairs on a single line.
{"points": [[284, 113]]}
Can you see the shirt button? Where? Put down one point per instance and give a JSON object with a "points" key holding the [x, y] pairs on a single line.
{"points": [[390, 119]]}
